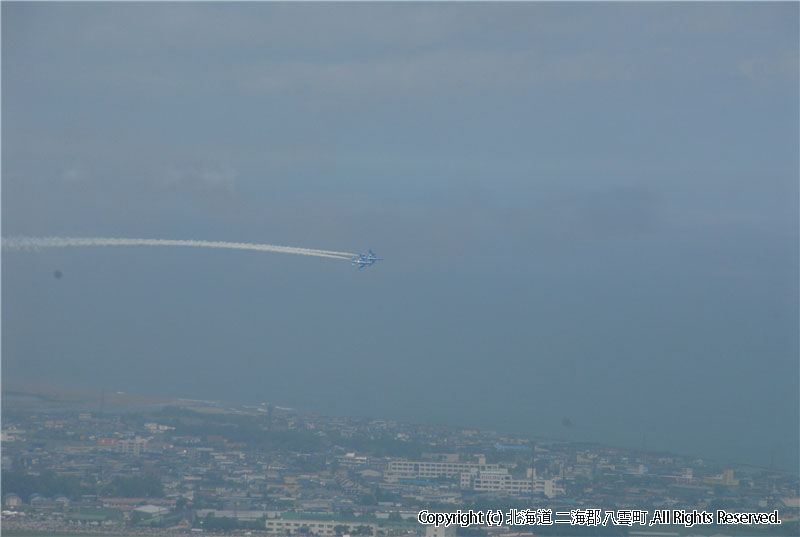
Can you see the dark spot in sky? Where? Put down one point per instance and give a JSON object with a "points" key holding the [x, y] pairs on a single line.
{"points": [[566, 422], [57, 274]]}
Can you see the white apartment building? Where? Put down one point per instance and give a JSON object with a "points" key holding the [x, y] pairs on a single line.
{"points": [[132, 446], [409, 469], [324, 528], [501, 481]]}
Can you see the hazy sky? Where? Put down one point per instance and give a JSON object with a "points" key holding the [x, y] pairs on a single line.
{"points": [[587, 211]]}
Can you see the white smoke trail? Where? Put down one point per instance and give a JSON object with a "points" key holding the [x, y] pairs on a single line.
{"points": [[36, 243]]}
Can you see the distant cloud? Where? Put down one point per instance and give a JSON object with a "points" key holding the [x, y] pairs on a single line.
{"points": [[218, 180], [355, 49], [764, 67], [619, 210], [74, 175], [433, 70]]}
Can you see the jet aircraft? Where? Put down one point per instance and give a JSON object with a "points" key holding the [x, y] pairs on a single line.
{"points": [[366, 260]]}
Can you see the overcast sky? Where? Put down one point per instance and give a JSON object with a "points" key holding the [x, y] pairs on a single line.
{"points": [[586, 211]]}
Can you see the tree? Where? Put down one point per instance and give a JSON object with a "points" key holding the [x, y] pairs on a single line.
{"points": [[136, 517], [134, 487]]}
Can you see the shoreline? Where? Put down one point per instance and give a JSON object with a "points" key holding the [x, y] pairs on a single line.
{"points": [[15, 528]]}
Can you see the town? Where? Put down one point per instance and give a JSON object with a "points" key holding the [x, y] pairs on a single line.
{"points": [[201, 466]]}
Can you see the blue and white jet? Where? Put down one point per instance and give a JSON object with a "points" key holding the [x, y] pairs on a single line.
{"points": [[366, 260]]}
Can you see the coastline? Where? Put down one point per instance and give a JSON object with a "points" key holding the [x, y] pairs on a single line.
{"points": [[14, 528]]}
